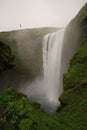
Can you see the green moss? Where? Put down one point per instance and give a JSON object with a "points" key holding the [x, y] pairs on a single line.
{"points": [[26, 115], [78, 68], [6, 125], [81, 56], [75, 95]]}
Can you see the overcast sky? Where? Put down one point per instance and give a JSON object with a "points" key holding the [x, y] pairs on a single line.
{"points": [[37, 13]]}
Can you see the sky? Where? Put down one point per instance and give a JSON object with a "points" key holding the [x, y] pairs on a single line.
{"points": [[37, 13]]}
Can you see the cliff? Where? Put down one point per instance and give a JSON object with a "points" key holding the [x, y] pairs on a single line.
{"points": [[75, 80], [26, 45]]}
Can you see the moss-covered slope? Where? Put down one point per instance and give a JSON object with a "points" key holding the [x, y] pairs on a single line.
{"points": [[77, 72], [18, 113], [74, 97]]}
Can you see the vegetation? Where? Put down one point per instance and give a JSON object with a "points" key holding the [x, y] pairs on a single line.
{"points": [[17, 113], [6, 57], [77, 72]]}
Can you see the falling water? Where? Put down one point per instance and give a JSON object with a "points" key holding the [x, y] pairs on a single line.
{"points": [[52, 54]]}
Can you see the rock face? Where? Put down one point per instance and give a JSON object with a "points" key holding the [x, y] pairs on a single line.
{"points": [[6, 57], [75, 80], [78, 66]]}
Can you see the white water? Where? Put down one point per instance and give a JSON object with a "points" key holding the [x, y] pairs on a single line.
{"points": [[52, 56]]}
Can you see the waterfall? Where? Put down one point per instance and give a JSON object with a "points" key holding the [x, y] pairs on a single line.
{"points": [[52, 57], [47, 90]]}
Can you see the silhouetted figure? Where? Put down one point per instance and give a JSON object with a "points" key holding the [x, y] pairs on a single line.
{"points": [[20, 25]]}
